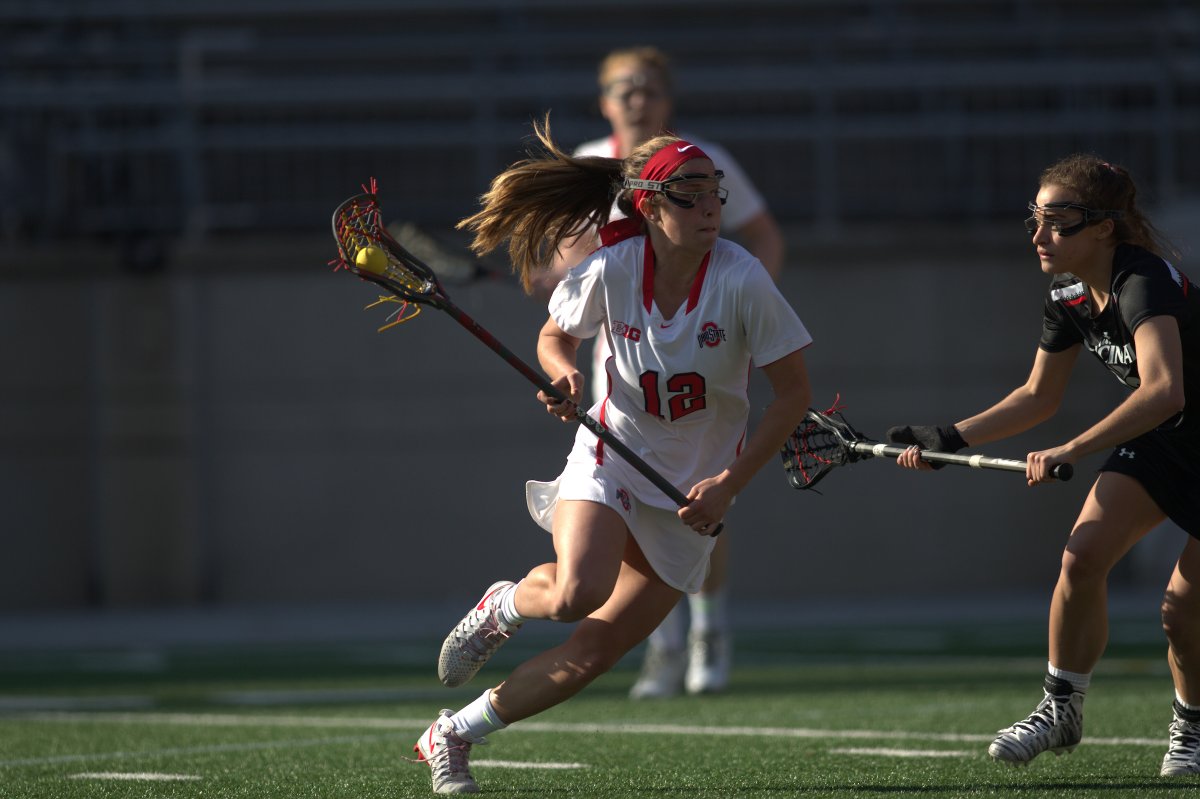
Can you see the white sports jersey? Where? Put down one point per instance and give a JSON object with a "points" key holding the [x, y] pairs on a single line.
{"points": [[744, 201], [744, 204], [677, 387]]}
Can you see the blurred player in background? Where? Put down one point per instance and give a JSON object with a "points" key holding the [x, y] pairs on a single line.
{"points": [[689, 312], [635, 97], [1113, 294]]}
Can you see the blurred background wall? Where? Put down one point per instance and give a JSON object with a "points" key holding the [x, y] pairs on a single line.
{"points": [[194, 411]]}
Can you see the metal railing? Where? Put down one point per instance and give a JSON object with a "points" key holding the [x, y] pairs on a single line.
{"points": [[190, 119]]}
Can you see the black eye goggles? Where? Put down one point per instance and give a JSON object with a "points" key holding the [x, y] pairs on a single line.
{"points": [[683, 190], [1063, 225]]}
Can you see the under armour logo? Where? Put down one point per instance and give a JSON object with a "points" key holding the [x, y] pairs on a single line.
{"points": [[1125, 453], [685, 148]]}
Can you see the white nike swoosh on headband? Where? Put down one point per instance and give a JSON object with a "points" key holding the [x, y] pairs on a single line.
{"points": [[685, 148]]}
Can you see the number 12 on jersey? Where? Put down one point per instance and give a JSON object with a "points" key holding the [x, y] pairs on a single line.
{"points": [[685, 394]]}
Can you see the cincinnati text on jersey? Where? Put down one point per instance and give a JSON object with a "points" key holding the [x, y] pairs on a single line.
{"points": [[1110, 353]]}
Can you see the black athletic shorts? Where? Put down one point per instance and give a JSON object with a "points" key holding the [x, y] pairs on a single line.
{"points": [[1168, 467]]}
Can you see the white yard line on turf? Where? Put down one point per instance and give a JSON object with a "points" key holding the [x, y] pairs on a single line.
{"points": [[881, 752], [522, 764], [265, 720], [137, 776], [243, 747], [199, 750]]}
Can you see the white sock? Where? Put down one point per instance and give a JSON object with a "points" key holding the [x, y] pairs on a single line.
{"points": [[1079, 682], [709, 611], [1185, 705], [508, 607], [477, 719], [671, 633]]}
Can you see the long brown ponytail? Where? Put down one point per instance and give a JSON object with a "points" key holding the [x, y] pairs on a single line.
{"points": [[537, 203]]}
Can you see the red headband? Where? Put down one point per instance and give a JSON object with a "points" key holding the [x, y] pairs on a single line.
{"points": [[662, 164]]}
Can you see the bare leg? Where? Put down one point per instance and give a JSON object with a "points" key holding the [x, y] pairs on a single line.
{"points": [[589, 540], [1116, 514], [1181, 614], [638, 602], [602, 577]]}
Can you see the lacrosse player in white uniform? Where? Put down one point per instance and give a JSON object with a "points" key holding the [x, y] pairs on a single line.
{"points": [[686, 314], [635, 98]]}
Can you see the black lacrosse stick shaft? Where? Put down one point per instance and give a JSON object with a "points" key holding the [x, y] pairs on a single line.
{"points": [[840, 443], [1061, 471], [435, 295]]}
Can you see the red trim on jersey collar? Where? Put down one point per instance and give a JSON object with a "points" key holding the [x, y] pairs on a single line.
{"points": [[648, 279], [621, 229]]}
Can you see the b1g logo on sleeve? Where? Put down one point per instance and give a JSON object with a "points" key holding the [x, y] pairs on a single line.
{"points": [[626, 331], [710, 335]]}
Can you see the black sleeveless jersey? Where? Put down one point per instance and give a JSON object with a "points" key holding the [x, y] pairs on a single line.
{"points": [[1143, 285]]}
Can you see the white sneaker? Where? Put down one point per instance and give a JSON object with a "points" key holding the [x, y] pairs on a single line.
{"points": [[1056, 725], [446, 753], [474, 639], [709, 655], [1183, 753], [662, 674]]}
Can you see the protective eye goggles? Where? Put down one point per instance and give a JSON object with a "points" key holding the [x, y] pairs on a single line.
{"points": [[684, 190], [624, 94], [1066, 219], [624, 88]]}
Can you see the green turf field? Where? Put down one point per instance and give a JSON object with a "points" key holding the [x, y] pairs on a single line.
{"points": [[889, 712]]}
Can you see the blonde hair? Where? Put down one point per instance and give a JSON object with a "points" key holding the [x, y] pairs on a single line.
{"points": [[1107, 187], [542, 200], [650, 57]]}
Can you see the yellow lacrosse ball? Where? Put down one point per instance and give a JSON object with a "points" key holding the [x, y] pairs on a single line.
{"points": [[372, 259]]}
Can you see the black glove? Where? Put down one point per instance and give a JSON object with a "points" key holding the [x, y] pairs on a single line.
{"points": [[939, 439]]}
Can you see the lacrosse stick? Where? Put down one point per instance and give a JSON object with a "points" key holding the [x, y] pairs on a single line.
{"points": [[826, 440], [367, 249], [450, 265]]}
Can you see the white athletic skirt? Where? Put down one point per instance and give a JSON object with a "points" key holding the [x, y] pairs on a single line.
{"points": [[678, 554]]}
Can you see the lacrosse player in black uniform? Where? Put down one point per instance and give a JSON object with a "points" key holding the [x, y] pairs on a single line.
{"points": [[1113, 294]]}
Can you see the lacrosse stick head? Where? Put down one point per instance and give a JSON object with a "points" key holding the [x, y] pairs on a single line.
{"points": [[823, 441], [358, 225]]}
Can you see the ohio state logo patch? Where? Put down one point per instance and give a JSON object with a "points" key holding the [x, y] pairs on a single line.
{"points": [[623, 496], [710, 335]]}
